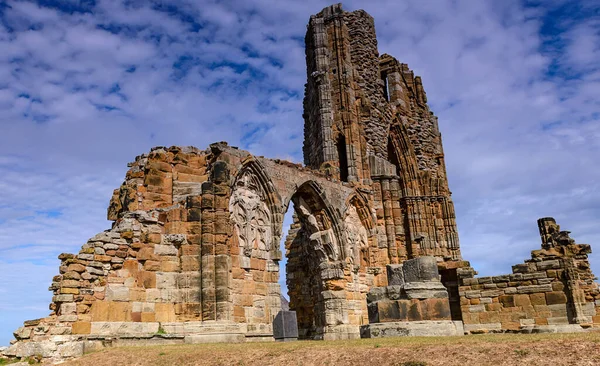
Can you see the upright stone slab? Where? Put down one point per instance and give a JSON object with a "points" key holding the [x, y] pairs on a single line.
{"points": [[420, 269], [285, 326], [395, 275]]}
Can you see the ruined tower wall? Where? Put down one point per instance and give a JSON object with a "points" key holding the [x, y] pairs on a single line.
{"points": [[374, 112], [318, 114], [369, 116]]}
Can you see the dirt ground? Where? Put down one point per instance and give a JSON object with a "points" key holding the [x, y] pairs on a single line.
{"points": [[511, 349]]}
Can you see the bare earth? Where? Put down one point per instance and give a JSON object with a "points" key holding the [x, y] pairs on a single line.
{"points": [[517, 349]]}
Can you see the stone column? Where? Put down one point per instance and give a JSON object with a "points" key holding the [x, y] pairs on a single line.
{"points": [[207, 261], [222, 232], [386, 198], [574, 293], [398, 219]]}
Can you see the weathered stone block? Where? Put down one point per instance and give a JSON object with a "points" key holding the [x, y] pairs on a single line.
{"points": [[420, 269], [548, 264], [395, 275], [556, 297], [534, 288], [522, 300], [558, 310], [472, 294], [119, 312], [160, 249], [117, 292], [538, 299], [99, 311], [413, 329], [425, 290], [470, 281], [152, 265], [164, 312], [476, 308], [81, 328], [62, 298]]}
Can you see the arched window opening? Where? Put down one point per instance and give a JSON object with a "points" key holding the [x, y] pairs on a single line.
{"points": [[392, 156], [341, 149], [386, 86]]}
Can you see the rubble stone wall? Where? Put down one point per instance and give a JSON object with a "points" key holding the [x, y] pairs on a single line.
{"points": [[554, 288]]}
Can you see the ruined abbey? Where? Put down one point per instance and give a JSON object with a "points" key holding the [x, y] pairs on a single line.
{"points": [[193, 252]]}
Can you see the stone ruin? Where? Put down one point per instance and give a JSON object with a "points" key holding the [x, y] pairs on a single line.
{"points": [[193, 253]]}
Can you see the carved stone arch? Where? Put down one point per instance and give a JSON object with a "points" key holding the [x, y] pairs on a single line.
{"points": [[367, 216], [316, 265], [255, 208], [360, 227], [402, 152], [313, 207]]}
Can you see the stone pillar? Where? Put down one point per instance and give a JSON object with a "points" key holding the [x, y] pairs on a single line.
{"points": [[574, 293], [215, 231], [547, 227], [398, 219], [222, 232], [413, 237], [379, 212], [449, 217], [207, 261], [318, 115], [386, 199]]}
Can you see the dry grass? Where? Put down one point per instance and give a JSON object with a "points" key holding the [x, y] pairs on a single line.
{"points": [[517, 349]]}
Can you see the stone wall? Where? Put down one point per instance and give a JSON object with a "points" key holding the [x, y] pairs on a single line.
{"points": [[553, 289]]}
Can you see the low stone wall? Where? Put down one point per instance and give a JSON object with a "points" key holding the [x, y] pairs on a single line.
{"points": [[552, 289], [425, 328]]}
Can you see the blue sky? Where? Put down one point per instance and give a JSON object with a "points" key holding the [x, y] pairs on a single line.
{"points": [[85, 86]]}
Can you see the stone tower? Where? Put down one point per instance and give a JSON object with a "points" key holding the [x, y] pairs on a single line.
{"points": [[366, 121]]}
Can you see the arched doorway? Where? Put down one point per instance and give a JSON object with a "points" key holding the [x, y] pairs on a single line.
{"points": [[317, 267], [325, 250]]}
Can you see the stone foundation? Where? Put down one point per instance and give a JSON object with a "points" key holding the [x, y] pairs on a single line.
{"points": [[424, 328], [414, 303]]}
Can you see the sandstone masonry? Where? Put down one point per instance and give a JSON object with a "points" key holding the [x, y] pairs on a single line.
{"points": [[193, 253]]}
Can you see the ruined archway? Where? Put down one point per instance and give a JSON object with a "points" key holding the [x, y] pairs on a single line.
{"points": [[254, 209], [316, 269], [359, 226]]}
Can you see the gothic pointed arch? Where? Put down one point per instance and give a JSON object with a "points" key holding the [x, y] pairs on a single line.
{"points": [[401, 152], [319, 217], [255, 208], [359, 226]]}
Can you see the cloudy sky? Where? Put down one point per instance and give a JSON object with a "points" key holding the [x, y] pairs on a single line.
{"points": [[86, 85]]}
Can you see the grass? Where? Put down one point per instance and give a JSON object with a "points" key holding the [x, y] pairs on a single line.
{"points": [[501, 349], [29, 360], [522, 352]]}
